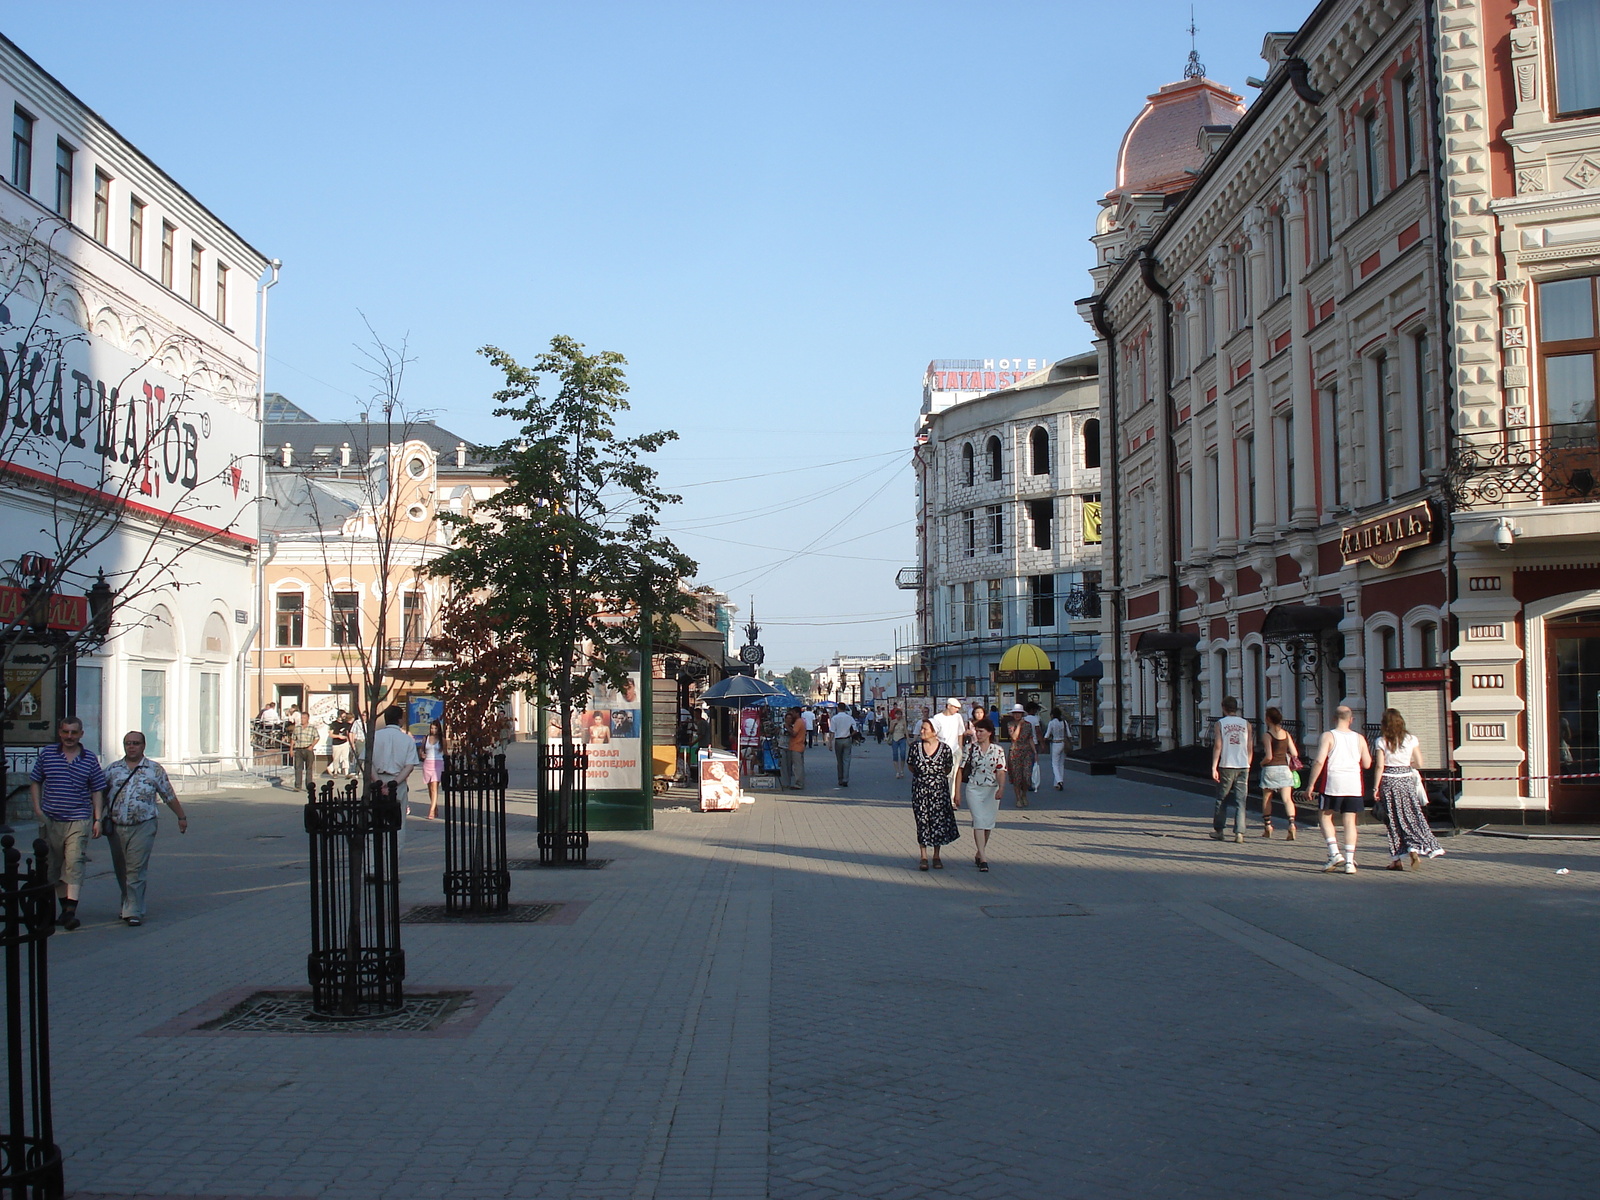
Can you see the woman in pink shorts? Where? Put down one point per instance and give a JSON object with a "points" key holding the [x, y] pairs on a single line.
{"points": [[433, 765]]}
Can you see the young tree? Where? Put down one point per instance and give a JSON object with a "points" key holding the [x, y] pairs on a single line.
{"points": [[798, 681], [568, 562], [371, 536]]}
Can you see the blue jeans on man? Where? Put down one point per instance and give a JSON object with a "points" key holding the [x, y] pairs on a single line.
{"points": [[1231, 790]]}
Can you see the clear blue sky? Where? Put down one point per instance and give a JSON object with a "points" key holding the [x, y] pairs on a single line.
{"points": [[778, 212]]}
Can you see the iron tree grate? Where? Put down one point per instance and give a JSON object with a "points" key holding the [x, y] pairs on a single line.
{"points": [[292, 1012], [533, 864], [515, 914]]}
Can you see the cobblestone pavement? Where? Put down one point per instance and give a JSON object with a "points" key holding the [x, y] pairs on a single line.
{"points": [[777, 1003]]}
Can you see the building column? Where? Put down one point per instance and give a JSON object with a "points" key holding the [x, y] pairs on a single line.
{"points": [[1303, 504], [1227, 484], [1259, 524]]}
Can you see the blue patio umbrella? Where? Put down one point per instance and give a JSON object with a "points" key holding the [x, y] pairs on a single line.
{"points": [[783, 698]]}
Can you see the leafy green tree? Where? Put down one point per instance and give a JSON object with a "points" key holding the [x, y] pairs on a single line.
{"points": [[798, 681], [567, 563]]}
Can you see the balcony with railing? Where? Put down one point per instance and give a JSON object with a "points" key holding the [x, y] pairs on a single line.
{"points": [[403, 652], [1541, 464]]}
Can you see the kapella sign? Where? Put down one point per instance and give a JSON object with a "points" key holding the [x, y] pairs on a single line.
{"points": [[1381, 539]]}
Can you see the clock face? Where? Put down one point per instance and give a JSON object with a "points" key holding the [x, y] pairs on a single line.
{"points": [[751, 654]]}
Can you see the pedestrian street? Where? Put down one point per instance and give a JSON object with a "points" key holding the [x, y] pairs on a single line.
{"points": [[777, 1003]]}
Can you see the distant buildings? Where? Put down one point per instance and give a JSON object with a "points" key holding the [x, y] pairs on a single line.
{"points": [[1008, 528], [343, 498]]}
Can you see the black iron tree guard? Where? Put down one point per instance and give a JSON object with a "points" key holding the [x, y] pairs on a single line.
{"points": [[476, 879], [30, 1160], [356, 965], [563, 805]]}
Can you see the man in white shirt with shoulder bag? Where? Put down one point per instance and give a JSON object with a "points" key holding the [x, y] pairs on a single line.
{"points": [[394, 757]]}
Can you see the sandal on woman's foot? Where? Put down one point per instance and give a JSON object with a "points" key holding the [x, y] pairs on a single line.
{"points": [[1396, 865], [1289, 837], [923, 865], [1415, 858], [938, 865], [1267, 831], [983, 865]]}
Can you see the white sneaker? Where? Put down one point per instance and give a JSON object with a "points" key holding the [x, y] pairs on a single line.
{"points": [[1349, 866], [1335, 861]]}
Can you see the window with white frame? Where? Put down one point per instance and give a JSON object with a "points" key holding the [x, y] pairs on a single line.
{"points": [[1283, 450], [1328, 415], [1377, 420], [136, 231], [65, 155], [1371, 165], [102, 207], [21, 150], [1410, 125], [1569, 355], [290, 608], [1247, 457]]}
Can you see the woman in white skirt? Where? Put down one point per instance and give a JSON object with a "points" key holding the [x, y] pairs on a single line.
{"points": [[1278, 754], [984, 770], [1398, 793]]}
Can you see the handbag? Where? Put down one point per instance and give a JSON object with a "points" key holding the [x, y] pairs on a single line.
{"points": [[1295, 777], [1035, 775]]}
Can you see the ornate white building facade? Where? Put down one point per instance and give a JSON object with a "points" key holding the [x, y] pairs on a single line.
{"points": [[1008, 527], [130, 440], [1521, 88], [1267, 307]]}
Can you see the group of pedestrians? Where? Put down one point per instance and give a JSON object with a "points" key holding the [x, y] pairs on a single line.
{"points": [[1335, 777], [956, 760], [76, 802]]}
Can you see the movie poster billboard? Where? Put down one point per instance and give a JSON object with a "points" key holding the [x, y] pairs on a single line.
{"points": [[719, 781], [610, 730]]}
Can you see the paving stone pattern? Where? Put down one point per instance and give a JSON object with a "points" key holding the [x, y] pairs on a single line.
{"points": [[777, 1003]]}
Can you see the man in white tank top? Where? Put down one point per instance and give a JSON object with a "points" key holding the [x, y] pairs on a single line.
{"points": [[1230, 769], [1345, 753]]}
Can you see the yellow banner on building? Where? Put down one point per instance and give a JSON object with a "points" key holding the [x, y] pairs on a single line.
{"points": [[1091, 522]]}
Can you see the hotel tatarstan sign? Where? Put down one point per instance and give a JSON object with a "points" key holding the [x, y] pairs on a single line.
{"points": [[1381, 539]]}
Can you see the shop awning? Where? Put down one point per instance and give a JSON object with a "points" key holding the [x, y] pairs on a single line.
{"points": [[1164, 641], [1087, 670], [1299, 620], [697, 637], [1025, 663]]}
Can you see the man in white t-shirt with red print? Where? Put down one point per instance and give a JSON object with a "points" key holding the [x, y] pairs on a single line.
{"points": [[1230, 768]]}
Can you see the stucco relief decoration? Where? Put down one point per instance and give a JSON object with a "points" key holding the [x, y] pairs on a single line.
{"points": [[1530, 179], [1583, 173], [1525, 54]]}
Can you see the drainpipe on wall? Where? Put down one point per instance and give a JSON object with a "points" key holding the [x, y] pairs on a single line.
{"points": [[263, 286], [1112, 439]]}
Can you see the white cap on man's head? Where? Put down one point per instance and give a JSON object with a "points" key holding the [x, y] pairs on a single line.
{"points": [[1018, 708], [952, 703]]}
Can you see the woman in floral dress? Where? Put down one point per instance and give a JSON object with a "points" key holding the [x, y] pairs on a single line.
{"points": [[1024, 754], [930, 761], [1398, 793]]}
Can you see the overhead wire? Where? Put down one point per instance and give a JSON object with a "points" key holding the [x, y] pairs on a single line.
{"points": [[787, 471]]}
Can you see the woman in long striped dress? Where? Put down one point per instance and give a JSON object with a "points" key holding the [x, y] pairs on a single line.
{"points": [[1398, 793]]}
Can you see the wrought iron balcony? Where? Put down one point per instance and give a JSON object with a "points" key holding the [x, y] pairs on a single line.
{"points": [[414, 652], [1542, 464], [908, 578]]}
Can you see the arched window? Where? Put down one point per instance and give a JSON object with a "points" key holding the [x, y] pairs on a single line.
{"points": [[968, 473], [1091, 443], [1039, 451], [160, 639], [992, 449], [214, 638]]}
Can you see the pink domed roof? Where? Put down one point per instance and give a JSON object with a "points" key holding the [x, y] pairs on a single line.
{"points": [[1163, 143]]}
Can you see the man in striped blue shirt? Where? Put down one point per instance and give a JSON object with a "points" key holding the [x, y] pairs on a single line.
{"points": [[68, 791]]}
